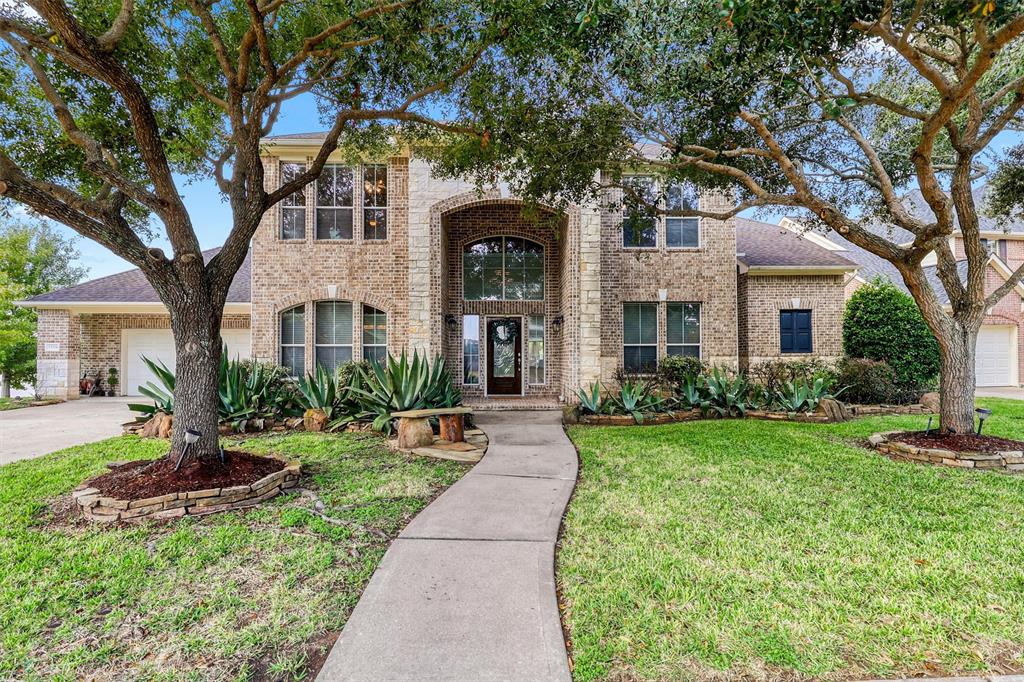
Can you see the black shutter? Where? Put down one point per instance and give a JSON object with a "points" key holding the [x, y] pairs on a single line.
{"points": [[795, 331]]}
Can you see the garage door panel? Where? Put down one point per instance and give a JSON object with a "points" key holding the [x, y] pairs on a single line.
{"points": [[158, 345], [995, 356]]}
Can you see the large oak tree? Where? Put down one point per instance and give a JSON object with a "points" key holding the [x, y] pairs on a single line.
{"points": [[105, 107], [830, 109]]}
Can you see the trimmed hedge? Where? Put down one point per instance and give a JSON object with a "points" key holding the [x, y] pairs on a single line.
{"points": [[883, 323]]}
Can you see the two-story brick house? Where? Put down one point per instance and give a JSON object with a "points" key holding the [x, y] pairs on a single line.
{"points": [[383, 256]]}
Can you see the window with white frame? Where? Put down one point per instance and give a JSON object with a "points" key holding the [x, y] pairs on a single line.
{"points": [[640, 337], [535, 349], [639, 223], [293, 340], [375, 202], [333, 333], [334, 203], [503, 269], [682, 329], [681, 232], [471, 349], [293, 206], [375, 334]]}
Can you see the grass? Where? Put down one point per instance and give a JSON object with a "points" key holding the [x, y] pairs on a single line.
{"points": [[761, 550], [234, 596], [14, 403]]}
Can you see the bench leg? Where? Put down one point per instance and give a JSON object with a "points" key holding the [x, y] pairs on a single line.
{"points": [[414, 433], [451, 427]]}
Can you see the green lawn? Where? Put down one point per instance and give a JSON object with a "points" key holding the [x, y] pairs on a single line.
{"points": [[14, 403], [760, 550], [233, 596]]}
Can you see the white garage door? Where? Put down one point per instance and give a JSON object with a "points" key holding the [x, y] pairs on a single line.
{"points": [[995, 358], [158, 345]]}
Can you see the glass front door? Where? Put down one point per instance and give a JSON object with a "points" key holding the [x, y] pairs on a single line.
{"points": [[504, 356]]}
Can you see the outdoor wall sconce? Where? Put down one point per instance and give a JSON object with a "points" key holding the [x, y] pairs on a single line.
{"points": [[451, 321], [983, 414], [557, 321]]}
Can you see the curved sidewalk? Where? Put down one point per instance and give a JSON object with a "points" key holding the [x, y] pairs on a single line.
{"points": [[467, 591]]}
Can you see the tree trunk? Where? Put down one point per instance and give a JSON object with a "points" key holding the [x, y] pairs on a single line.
{"points": [[956, 378], [5, 387], [196, 327]]}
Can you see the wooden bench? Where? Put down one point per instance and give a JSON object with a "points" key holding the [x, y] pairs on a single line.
{"points": [[414, 426]]}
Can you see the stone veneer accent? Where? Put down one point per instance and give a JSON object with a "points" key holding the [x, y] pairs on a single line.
{"points": [[97, 507], [1011, 461], [58, 339], [761, 297]]}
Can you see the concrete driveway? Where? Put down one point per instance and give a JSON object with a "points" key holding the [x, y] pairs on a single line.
{"points": [[1000, 392], [33, 431]]}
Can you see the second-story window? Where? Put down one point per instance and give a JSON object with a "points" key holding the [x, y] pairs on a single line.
{"points": [[334, 203], [639, 223], [679, 231], [293, 206], [375, 201]]}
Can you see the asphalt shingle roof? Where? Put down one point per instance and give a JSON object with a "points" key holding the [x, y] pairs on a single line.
{"points": [[132, 287], [765, 244]]}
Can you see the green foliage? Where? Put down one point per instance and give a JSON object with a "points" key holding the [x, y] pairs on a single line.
{"points": [[675, 370], [319, 391], [249, 392], [771, 375], [635, 397], [803, 396], [883, 323], [34, 259], [402, 384], [345, 372], [726, 394], [590, 399], [872, 382]]}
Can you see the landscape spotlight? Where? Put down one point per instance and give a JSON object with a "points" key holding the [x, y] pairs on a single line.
{"points": [[983, 414]]}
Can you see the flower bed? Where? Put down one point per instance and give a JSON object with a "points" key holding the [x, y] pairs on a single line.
{"points": [[100, 498], [828, 412], [988, 452]]}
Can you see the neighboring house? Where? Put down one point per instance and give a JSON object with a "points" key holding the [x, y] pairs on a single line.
{"points": [[383, 257], [1000, 348]]}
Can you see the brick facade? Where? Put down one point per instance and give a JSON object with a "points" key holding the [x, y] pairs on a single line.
{"points": [[763, 296], [58, 339], [415, 277]]}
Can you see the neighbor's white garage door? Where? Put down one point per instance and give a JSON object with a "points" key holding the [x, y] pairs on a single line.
{"points": [[996, 356], [158, 344]]}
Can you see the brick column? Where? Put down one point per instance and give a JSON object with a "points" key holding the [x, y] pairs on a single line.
{"points": [[57, 347]]}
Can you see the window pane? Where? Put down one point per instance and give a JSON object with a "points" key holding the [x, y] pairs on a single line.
{"points": [[682, 232], [631, 323], [535, 350], [325, 190], [378, 353], [334, 322], [375, 223], [681, 197], [689, 351], [290, 171], [375, 185], [375, 328], [471, 349], [639, 226], [640, 359], [294, 358], [639, 232], [648, 322], [334, 223], [691, 319], [329, 357], [293, 326], [293, 222]]}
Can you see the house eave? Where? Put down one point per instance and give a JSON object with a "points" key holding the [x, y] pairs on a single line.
{"points": [[122, 307], [796, 270]]}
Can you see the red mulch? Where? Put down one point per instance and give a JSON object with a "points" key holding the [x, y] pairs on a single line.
{"points": [[148, 478], [967, 442]]}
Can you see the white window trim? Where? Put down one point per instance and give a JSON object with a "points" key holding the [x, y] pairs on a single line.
{"points": [[657, 334], [661, 221], [362, 331], [363, 207], [700, 321], [479, 351], [503, 237], [355, 207], [544, 346], [282, 206], [622, 226]]}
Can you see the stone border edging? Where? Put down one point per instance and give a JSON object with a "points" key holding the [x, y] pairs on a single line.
{"points": [[695, 415], [102, 508], [1010, 461]]}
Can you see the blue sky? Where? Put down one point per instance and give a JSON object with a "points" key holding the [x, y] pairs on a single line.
{"points": [[211, 215]]}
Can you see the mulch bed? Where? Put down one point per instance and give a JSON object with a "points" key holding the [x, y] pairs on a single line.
{"points": [[968, 442], [148, 478]]}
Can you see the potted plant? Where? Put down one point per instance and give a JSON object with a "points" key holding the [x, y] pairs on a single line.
{"points": [[112, 382]]}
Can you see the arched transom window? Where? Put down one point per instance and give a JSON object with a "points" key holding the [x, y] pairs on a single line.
{"points": [[503, 269]]}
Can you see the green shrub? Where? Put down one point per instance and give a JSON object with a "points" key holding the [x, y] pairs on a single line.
{"points": [[772, 375], [675, 370], [883, 323], [403, 384], [347, 371], [635, 398], [871, 382], [726, 394]]}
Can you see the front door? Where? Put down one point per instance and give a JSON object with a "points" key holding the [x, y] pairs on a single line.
{"points": [[504, 356]]}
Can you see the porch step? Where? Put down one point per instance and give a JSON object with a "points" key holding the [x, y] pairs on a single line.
{"points": [[509, 404]]}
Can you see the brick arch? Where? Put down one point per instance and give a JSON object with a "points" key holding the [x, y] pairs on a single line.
{"points": [[321, 293]]}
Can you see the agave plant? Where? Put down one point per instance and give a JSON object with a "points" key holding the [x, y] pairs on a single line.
{"points": [[248, 391], [590, 399], [162, 396], [319, 391], [691, 392], [403, 384], [636, 397], [802, 396], [725, 396]]}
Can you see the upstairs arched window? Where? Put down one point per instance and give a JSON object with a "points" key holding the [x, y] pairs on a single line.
{"points": [[503, 269]]}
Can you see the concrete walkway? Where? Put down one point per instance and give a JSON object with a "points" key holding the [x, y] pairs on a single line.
{"points": [[467, 591], [34, 431]]}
